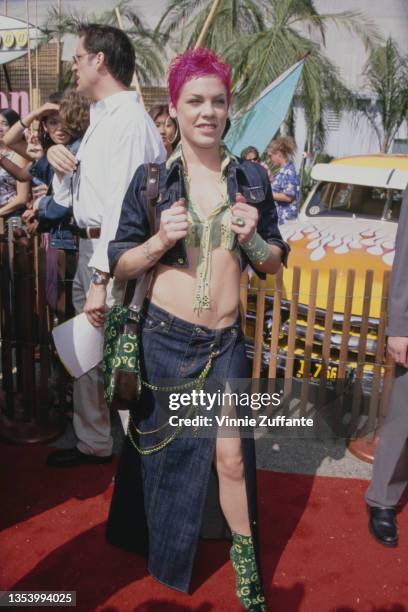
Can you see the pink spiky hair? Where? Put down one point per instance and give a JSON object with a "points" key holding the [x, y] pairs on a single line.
{"points": [[194, 64]]}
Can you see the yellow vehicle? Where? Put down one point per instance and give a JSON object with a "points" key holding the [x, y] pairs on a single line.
{"points": [[347, 222]]}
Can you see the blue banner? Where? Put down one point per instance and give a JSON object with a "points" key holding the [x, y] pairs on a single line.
{"points": [[258, 124]]}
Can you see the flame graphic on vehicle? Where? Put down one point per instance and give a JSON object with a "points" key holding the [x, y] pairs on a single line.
{"points": [[342, 240]]}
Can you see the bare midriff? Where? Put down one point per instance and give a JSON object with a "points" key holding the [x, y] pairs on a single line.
{"points": [[173, 289]]}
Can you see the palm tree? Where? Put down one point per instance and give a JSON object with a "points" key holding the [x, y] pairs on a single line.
{"points": [[262, 39], [233, 18], [148, 45], [386, 75]]}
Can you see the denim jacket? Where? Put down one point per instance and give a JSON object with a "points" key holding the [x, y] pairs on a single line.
{"points": [[245, 177], [42, 170], [57, 219]]}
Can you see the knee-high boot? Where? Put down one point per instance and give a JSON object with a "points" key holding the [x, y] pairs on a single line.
{"points": [[249, 588]]}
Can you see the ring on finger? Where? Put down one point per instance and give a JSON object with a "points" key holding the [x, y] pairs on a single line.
{"points": [[239, 221]]}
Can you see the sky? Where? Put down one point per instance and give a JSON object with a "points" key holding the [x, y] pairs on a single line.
{"points": [[151, 9]]}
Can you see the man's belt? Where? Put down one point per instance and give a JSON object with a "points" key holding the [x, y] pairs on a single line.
{"points": [[89, 232]]}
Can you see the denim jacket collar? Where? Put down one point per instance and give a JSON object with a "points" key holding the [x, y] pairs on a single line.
{"points": [[229, 165]]}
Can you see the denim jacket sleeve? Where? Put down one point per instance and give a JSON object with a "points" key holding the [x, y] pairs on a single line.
{"points": [[268, 217], [133, 228], [50, 214], [42, 170]]}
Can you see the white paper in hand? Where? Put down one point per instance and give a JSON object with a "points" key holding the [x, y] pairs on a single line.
{"points": [[79, 344]]}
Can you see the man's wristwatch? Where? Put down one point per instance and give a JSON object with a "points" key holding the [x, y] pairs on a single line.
{"points": [[98, 278]]}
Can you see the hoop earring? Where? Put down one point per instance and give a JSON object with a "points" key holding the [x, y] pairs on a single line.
{"points": [[177, 133]]}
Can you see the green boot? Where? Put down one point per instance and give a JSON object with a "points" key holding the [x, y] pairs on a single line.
{"points": [[249, 589]]}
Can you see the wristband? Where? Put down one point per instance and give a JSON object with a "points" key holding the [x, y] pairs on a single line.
{"points": [[25, 127], [257, 249]]}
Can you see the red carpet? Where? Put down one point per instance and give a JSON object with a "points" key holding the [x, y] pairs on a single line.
{"points": [[317, 554]]}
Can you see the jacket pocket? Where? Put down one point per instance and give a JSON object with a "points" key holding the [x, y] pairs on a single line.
{"points": [[253, 195]]}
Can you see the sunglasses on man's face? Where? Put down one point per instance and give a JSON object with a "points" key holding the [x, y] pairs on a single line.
{"points": [[77, 58]]}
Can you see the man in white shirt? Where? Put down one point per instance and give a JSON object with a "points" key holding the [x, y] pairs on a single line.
{"points": [[121, 137]]}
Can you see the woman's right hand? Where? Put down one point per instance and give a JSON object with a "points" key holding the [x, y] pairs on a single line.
{"points": [[44, 109], [61, 159], [38, 113], [173, 224]]}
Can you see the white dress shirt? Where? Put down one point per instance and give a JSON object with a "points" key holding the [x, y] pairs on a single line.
{"points": [[121, 136]]}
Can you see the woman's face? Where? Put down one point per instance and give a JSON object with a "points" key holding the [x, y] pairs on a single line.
{"points": [[277, 158], [53, 127], [4, 126], [252, 156], [202, 111], [160, 123], [170, 128]]}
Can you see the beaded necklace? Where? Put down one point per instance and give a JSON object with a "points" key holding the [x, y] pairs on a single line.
{"points": [[209, 233]]}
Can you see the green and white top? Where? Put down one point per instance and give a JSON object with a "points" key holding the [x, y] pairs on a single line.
{"points": [[208, 233]]}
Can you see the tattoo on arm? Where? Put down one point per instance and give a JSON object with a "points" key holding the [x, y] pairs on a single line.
{"points": [[148, 254]]}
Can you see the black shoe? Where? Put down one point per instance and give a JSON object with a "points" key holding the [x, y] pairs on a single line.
{"points": [[71, 457], [383, 526]]}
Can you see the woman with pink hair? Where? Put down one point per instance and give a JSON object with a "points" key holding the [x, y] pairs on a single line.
{"points": [[179, 478]]}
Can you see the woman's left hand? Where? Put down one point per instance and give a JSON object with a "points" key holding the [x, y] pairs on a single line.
{"points": [[244, 219]]}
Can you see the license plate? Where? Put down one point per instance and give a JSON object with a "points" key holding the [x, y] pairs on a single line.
{"points": [[315, 370]]}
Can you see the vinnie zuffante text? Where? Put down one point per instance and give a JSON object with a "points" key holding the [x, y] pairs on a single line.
{"points": [[214, 401]]}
